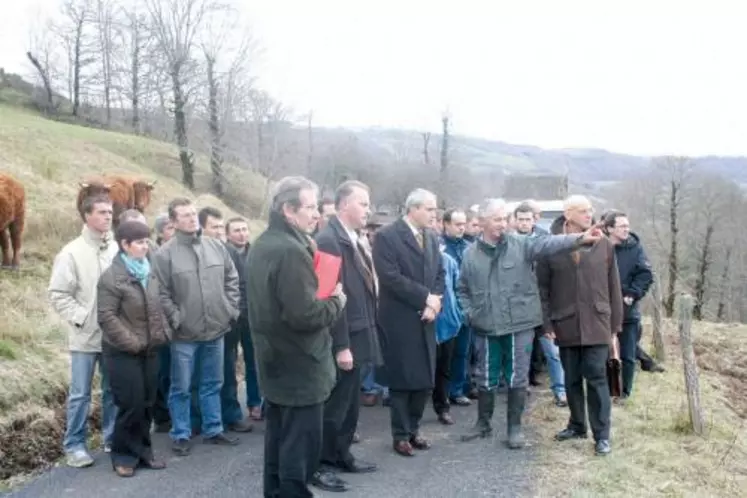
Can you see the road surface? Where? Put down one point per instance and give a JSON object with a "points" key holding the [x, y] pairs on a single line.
{"points": [[450, 468]]}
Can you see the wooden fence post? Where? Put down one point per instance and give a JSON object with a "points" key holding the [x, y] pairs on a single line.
{"points": [[692, 384], [658, 336]]}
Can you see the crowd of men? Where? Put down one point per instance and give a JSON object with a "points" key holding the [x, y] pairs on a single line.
{"points": [[448, 306]]}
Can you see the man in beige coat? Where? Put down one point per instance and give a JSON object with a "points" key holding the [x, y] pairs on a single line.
{"points": [[72, 294]]}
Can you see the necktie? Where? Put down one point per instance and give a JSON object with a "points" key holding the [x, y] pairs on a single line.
{"points": [[419, 238]]}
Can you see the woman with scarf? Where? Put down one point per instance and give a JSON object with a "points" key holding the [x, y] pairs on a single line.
{"points": [[133, 327]]}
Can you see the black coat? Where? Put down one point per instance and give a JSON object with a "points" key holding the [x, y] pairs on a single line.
{"points": [[239, 258], [356, 328], [407, 274]]}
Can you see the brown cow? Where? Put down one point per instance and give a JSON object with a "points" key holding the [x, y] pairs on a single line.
{"points": [[12, 219], [125, 193]]}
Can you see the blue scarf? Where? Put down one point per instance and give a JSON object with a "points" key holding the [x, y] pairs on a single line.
{"points": [[138, 268]]}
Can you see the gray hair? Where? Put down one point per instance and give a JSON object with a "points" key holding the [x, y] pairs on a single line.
{"points": [[490, 206], [417, 198], [288, 191]]}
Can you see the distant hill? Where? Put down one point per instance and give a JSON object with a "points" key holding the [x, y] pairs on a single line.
{"points": [[593, 166]]}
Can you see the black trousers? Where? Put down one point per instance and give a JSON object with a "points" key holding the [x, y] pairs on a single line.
{"points": [[293, 448], [161, 413], [406, 410], [444, 352], [341, 413], [590, 363], [133, 380], [536, 365]]}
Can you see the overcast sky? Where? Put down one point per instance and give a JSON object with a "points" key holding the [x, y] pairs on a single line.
{"points": [[641, 77]]}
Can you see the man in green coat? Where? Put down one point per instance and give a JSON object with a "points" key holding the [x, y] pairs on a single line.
{"points": [[290, 330]]}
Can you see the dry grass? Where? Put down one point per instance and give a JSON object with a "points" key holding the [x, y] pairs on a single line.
{"points": [[50, 158], [654, 452]]}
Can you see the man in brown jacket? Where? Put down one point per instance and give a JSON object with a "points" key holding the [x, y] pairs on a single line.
{"points": [[582, 306]]}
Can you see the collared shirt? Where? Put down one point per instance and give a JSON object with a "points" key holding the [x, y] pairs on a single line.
{"points": [[415, 231]]}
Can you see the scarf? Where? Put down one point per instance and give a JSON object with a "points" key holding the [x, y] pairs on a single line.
{"points": [[137, 268]]}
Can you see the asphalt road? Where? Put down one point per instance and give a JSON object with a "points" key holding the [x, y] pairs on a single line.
{"points": [[450, 468]]}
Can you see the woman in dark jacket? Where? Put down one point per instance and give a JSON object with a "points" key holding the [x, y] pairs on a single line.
{"points": [[133, 327]]}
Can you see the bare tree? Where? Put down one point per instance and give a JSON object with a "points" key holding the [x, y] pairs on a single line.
{"points": [[426, 144], [443, 171], [44, 75], [176, 25], [105, 25], [676, 171], [74, 35]]}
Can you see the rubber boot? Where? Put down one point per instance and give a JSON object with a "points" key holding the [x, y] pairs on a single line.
{"points": [[516, 401], [485, 408]]}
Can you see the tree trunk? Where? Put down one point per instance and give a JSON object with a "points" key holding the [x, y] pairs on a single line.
{"points": [[135, 78], [426, 152], [704, 263], [444, 162], [721, 313], [673, 247], [45, 80], [76, 67], [216, 157], [180, 130]]}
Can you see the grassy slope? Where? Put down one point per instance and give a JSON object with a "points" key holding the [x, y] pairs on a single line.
{"points": [[654, 453], [50, 158]]}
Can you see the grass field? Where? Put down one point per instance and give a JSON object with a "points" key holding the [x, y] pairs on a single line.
{"points": [[50, 158], [654, 452]]}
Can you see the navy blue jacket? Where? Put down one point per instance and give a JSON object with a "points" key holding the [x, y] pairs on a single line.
{"points": [[455, 247], [636, 276]]}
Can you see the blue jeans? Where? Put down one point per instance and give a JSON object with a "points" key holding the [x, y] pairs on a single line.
{"points": [[204, 361], [460, 378], [253, 395], [368, 382], [82, 368], [554, 366], [631, 334]]}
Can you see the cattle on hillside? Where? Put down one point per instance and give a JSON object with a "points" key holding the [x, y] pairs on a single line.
{"points": [[125, 193], [12, 219]]}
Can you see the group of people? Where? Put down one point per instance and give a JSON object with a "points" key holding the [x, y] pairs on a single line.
{"points": [[447, 306]]}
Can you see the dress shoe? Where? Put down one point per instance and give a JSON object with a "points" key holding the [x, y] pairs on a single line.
{"points": [[404, 448], [357, 467], [602, 447], [461, 401], [420, 443], [328, 481], [567, 434], [182, 447], [446, 419], [243, 425], [369, 399], [154, 464], [124, 471]]}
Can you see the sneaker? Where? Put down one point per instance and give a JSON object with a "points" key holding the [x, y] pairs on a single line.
{"points": [[221, 439], [561, 400], [107, 448], [79, 459]]}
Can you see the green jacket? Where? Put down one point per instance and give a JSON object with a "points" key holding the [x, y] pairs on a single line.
{"points": [[199, 287], [289, 325], [497, 288]]}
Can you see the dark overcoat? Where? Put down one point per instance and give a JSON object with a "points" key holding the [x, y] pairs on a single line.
{"points": [[407, 274]]}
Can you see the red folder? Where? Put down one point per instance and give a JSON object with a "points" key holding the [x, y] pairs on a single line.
{"points": [[327, 268]]}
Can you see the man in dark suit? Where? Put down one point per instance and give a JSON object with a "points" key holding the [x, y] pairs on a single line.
{"points": [[354, 340], [411, 278]]}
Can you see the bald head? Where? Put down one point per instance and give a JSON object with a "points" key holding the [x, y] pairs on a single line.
{"points": [[579, 211]]}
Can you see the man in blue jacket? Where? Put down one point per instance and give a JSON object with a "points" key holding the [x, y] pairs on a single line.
{"points": [[636, 278], [454, 244]]}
